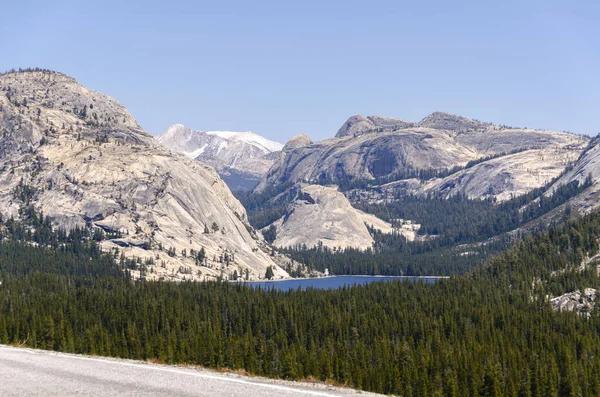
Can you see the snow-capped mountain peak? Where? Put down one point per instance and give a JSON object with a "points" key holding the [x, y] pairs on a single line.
{"points": [[229, 152], [251, 138], [173, 131]]}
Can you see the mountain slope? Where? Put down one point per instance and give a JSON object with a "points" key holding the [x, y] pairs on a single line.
{"points": [[251, 138], [501, 177], [367, 156], [241, 158], [400, 150], [586, 167], [80, 158], [322, 215]]}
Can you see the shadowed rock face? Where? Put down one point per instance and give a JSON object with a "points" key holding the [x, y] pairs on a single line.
{"points": [[367, 156], [90, 164], [439, 141]]}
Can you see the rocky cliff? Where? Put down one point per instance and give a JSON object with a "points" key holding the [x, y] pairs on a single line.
{"points": [[81, 158], [375, 160], [367, 156]]}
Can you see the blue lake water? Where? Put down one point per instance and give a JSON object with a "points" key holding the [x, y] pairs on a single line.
{"points": [[331, 282]]}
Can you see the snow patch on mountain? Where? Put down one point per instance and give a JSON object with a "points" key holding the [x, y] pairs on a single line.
{"points": [[196, 152], [237, 156], [249, 137]]}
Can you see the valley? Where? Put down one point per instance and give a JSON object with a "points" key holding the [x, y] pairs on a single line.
{"points": [[457, 336], [115, 245], [385, 196], [299, 199]]}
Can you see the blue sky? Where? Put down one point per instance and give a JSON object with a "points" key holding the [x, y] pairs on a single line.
{"points": [[281, 68]]}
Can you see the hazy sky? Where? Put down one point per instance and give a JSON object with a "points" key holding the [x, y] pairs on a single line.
{"points": [[281, 68]]}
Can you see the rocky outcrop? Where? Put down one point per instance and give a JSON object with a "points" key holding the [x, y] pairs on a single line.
{"points": [[323, 215], [240, 158], [86, 162], [582, 303], [359, 125], [588, 165], [296, 142], [450, 122], [507, 176]]}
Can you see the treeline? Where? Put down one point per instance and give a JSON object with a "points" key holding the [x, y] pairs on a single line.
{"points": [[396, 258], [488, 333], [25, 70], [459, 220]]}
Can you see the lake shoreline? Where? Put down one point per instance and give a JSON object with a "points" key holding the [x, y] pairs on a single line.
{"points": [[341, 275], [334, 282]]}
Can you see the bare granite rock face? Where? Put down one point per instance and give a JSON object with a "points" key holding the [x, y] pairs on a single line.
{"points": [[296, 142], [518, 159], [359, 125], [323, 215], [507, 176], [588, 165], [502, 177], [89, 164], [451, 122], [368, 156], [477, 159], [576, 301]]}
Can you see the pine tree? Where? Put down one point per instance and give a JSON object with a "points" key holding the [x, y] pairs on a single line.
{"points": [[269, 273]]}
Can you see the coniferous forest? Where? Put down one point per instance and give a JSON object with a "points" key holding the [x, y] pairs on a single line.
{"points": [[446, 223], [490, 332]]}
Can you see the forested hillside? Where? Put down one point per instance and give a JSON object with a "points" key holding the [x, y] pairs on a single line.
{"points": [[490, 332], [456, 233]]}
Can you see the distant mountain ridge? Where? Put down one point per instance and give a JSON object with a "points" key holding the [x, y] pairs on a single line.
{"points": [[241, 158], [390, 149], [359, 125]]}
